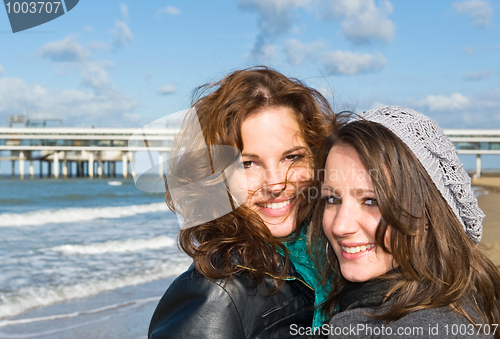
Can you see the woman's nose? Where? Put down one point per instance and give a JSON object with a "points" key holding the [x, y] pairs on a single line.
{"points": [[274, 180], [342, 222]]}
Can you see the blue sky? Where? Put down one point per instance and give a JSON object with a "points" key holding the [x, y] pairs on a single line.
{"points": [[125, 63]]}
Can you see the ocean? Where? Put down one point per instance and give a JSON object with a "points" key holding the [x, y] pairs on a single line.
{"points": [[84, 258], [78, 249]]}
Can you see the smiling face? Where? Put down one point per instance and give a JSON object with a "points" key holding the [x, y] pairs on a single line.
{"points": [[272, 142], [351, 216]]}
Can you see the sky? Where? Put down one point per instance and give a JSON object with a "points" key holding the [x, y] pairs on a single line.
{"points": [[126, 63]]}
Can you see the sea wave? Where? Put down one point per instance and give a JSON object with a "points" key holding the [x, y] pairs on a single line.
{"points": [[131, 245], [31, 297], [478, 191], [128, 304], [72, 215]]}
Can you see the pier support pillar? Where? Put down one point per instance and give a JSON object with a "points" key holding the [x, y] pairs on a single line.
{"points": [[478, 165], [32, 169], [56, 165], [91, 165], [124, 165], [160, 165], [40, 162], [21, 165], [99, 165], [13, 168], [65, 165], [131, 156]]}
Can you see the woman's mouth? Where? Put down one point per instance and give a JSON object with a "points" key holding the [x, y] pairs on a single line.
{"points": [[276, 209], [357, 249], [356, 252], [276, 205]]}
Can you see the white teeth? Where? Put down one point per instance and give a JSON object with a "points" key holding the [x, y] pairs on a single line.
{"points": [[276, 205], [357, 249]]}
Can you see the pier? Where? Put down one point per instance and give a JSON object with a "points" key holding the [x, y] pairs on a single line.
{"points": [[96, 152], [475, 141], [79, 152]]}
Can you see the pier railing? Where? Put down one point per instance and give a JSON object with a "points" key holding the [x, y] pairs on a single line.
{"points": [[91, 149]]}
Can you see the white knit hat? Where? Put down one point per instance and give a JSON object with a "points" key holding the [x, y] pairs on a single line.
{"points": [[438, 156]]}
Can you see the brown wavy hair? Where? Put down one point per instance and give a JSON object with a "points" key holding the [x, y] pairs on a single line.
{"points": [[438, 264], [221, 247]]}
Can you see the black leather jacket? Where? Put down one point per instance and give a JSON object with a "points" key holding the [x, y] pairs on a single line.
{"points": [[196, 307]]}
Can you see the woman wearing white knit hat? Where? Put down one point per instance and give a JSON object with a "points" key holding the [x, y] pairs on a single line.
{"points": [[401, 226]]}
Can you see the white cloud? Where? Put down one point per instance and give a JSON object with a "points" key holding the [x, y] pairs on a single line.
{"points": [[489, 101], [275, 18], [167, 90], [68, 53], [476, 76], [362, 21], [77, 108], [479, 110], [124, 10], [479, 12], [469, 50], [444, 103], [95, 75], [169, 10], [264, 53], [349, 63], [122, 35], [99, 45], [66, 50], [297, 52], [1, 70]]}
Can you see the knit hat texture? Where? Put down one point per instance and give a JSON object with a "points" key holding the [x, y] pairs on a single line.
{"points": [[438, 156]]}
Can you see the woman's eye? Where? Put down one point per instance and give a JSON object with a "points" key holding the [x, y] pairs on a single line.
{"points": [[371, 202], [294, 157], [332, 200], [247, 164]]}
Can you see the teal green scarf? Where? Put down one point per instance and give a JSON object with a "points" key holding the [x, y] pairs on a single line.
{"points": [[304, 265]]}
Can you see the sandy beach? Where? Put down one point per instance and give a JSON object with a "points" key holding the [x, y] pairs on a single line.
{"points": [[489, 203]]}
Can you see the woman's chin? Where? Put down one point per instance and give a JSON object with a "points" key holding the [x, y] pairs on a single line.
{"points": [[279, 227]]}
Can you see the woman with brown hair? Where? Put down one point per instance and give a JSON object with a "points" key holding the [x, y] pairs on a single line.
{"points": [[237, 177], [401, 225]]}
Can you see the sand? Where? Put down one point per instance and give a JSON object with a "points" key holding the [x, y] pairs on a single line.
{"points": [[490, 243], [490, 204], [491, 183]]}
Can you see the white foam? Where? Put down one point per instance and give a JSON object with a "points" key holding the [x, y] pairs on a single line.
{"points": [[478, 191], [72, 215], [114, 183], [131, 245], [31, 297], [133, 303]]}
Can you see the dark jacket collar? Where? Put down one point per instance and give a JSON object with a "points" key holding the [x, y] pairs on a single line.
{"points": [[362, 295]]}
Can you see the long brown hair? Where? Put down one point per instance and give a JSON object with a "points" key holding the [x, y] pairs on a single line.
{"points": [[221, 108], [438, 264]]}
